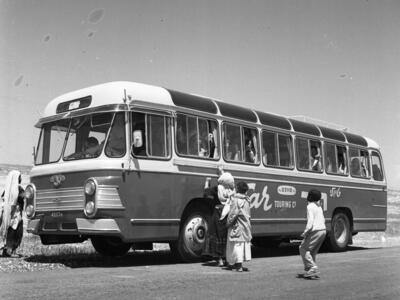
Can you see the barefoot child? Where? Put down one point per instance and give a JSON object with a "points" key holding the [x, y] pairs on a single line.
{"points": [[238, 247], [314, 233]]}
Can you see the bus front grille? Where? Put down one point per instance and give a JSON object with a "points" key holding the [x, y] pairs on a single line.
{"points": [[60, 199], [107, 197]]}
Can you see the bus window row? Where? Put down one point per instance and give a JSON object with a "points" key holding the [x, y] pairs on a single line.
{"points": [[197, 137]]}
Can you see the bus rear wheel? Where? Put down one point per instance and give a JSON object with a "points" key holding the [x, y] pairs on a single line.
{"points": [[110, 246], [340, 234], [192, 236]]}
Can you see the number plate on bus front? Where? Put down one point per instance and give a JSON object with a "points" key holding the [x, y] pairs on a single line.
{"points": [[56, 214]]}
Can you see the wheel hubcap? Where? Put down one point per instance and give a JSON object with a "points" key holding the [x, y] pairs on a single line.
{"points": [[195, 231]]}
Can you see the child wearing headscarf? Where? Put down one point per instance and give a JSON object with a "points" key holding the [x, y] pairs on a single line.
{"points": [[215, 244], [238, 247], [314, 233], [11, 229]]}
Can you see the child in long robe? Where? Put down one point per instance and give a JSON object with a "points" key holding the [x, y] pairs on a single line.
{"points": [[238, 247]]}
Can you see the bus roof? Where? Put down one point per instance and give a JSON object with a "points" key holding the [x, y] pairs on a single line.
{"points": [[118, 94]]}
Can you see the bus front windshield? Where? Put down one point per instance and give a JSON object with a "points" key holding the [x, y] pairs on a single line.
{"points": [[84, 137]]}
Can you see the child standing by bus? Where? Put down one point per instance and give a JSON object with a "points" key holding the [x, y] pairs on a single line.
{"points": [[238, 247], [215, 244], [314, 233]]}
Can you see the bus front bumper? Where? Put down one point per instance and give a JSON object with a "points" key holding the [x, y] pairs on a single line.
{"points": [[84, 226]]}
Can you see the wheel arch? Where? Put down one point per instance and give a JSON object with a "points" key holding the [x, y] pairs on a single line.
{"points": [[205, 203]]}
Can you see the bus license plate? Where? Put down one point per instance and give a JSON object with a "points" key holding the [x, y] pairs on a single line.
{"points": [[57, 214]]}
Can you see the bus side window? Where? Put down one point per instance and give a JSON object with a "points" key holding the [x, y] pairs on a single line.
{"points": [[158, 137], [269, 157], [181, 134], [303, 161], [359, 163], [309, 155], [150, 135], [376, 167], [330, 159], [196, 136], [285, 151], [335, 159], [232, 142]]}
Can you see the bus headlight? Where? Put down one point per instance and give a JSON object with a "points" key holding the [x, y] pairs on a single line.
{"points": [[90, 187], [30, 195], [89, 208], [29, 192], [90, 198], [30, 211]]}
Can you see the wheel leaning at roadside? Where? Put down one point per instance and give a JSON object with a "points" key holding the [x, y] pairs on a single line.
{"points": [[110, 246], [339, 236], [192, 235]]}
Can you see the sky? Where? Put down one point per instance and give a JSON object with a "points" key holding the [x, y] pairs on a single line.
{"points": [[336, 61]]}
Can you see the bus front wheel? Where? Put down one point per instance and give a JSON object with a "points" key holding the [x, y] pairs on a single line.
{"points": [[339, 236], [192, 236], [110, 246]]}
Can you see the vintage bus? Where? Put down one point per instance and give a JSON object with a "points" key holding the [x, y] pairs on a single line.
{"points": [[126, 164]]}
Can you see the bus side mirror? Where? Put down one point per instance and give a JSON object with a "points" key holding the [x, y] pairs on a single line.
{"points": [[137, 139]]}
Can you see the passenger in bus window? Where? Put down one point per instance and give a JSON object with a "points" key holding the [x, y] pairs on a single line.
{"points": [[315, 158], [236, 152], [212, 138], [91, 147], [228, 149], [364, 160], [249, 152], [329, 168], [364, 169], [211, 142], [342, 168], [265, 157], [203, 151]]}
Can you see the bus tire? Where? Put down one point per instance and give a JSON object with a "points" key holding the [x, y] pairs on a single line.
{"points": [[110, 245], [340, 234], [192, 235]]}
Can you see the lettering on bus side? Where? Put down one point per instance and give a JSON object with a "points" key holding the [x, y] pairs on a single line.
{"points": [[286, 190], [256, 201], [264, 200], [335, 192]]}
